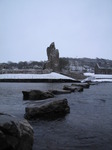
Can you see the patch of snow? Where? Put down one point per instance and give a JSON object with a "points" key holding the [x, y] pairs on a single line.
{"points": [[98, 77], [51, 75], [88, 74], [103, 80]]}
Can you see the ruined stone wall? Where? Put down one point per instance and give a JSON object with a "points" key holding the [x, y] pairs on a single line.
{"points": [[53, 58]]}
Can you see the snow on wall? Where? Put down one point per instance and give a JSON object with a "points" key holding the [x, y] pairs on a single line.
{"points": [[98, 77], [52, 75]]}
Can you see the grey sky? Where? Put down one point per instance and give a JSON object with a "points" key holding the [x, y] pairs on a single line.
{"points": [[79, 28]]}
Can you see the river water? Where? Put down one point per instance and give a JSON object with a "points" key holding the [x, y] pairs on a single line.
{"points": [[88, 126]]}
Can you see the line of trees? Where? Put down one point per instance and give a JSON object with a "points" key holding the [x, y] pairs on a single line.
{"points": [[22, 65], [64, 63]]}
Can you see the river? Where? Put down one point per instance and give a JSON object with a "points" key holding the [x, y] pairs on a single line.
{"points": [[88, 126]]}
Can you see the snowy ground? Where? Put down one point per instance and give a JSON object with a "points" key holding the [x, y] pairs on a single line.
{"points": [[98, 77], [52, 75]]}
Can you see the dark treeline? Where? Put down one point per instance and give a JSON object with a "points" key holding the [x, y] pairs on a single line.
{"points": [[65, 63], [22, 65]]}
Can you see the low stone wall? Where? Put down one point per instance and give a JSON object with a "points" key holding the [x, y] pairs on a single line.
{"points": [[37, 80]]}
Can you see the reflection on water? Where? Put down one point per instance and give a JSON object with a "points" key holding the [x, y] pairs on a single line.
{"points": [[87, 127]]}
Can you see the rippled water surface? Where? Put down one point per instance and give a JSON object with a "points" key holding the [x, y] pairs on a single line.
{"points": [[88, 126]]}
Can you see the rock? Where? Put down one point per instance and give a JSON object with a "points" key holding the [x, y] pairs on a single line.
{"points": [[36, 95], [84, 85], [49, 110], [73, 88], [53, 58], [79, 89], [15, 134], [57, 92]]}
